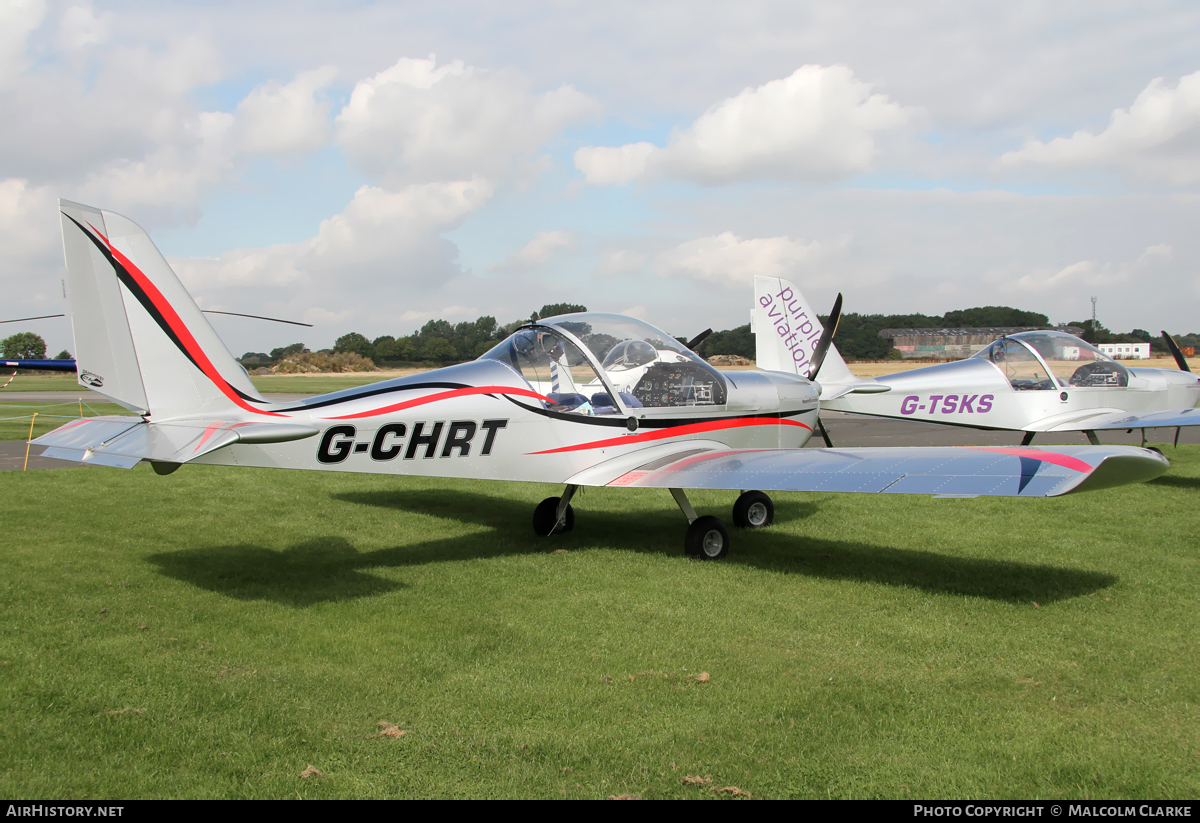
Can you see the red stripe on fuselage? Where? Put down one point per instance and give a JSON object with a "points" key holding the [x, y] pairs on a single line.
{"points": [[179, 327], [445, 395], [1064, 460], [678, 431]]}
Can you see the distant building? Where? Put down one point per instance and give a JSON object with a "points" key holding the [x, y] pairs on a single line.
{"points": [[1126, 351], [954, 344]]}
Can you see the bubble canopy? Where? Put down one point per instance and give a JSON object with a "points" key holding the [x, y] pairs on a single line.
{"points": [[1050, 360], [582, 360]]}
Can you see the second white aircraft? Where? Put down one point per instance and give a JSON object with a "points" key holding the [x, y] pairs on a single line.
{"points": [[1035, 381]]}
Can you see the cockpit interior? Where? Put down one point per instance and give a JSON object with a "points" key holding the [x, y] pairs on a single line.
{"points": [[580, 361], [1050, 360]]}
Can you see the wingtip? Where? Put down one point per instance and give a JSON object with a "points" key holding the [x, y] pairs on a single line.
{"points": [[1132, 465]]}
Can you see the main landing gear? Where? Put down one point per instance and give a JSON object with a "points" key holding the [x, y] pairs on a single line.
{"points": [[707, 538]]}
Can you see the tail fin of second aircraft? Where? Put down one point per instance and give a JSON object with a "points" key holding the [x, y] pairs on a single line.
{"points": [[786, 331], [140, 338]]}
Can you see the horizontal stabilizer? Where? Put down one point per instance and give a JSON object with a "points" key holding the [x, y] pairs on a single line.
{"points": [[123, 441], [832, 391], [944, 471]]}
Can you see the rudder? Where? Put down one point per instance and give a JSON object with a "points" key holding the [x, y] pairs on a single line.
{"points": [[786, 331], [140, 338]]}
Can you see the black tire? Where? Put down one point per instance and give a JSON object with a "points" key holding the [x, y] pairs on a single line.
{"points": [[544, 517], [707, 539], [753, 510]]}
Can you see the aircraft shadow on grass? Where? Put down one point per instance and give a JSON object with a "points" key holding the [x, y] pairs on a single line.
{"points": [[1176, 481], [331, 568]]}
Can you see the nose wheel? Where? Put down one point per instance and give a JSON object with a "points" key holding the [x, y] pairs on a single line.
{"points": [[554, 515]]}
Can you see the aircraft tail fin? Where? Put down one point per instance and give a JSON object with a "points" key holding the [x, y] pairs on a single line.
{"points": [[786, 330], [141, 339]]}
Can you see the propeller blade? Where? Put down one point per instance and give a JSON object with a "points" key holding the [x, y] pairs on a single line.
{"points": [[41, 317], [257, 317], [1180, 360], [698, 339], [206, 311], [826, 340]]}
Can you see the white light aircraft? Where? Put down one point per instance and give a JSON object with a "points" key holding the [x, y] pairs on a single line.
{"points": [[581, 399], [1035, 381]]}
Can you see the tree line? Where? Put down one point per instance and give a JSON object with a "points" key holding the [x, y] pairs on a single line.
{"points": [[25, 345], [858, 335], [438, 342]]}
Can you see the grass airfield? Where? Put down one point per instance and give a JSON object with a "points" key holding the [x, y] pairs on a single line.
{"points": [[216, 632]]}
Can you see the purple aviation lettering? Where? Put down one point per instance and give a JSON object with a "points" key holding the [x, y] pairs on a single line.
{"points": [[800, 332], [950, 404]]}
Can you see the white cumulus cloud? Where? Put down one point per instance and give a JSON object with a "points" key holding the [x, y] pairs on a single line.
{"points": [[620, 261], [18, 18], [728, 259], [416, 121], [613, 165], [1157, 138], [79, 28], [377, 255], [541, 248], [818, 124], [277, 118]]}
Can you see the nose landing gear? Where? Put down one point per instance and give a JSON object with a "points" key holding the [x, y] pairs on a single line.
{"points": [[554, 515]]}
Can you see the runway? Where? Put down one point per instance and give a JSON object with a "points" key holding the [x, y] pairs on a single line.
{"points": [[845, 430]]}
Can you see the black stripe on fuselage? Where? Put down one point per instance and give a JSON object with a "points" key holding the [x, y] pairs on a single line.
{"points": [[647, 422], [372, 393]]}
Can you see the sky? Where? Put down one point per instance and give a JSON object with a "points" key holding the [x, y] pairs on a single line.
{"points": [[371, 166]]}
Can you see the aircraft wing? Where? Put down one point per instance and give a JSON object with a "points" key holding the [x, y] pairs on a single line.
{"points": [[964, 471], [123, 441], [1124, 420]]}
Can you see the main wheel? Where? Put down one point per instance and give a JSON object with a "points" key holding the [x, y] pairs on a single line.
{"points": [[707, 539], [546, 515], [753, 510]]}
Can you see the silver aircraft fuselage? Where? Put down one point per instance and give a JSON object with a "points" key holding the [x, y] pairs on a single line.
{"points": [[976, 393]]}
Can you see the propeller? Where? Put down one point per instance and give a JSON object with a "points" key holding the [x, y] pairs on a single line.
{"points": [[257, 317], [826, 340], [1180, 360], [40, 317], [698, 339], [206, 311]]}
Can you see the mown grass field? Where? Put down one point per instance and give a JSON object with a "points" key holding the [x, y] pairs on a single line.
{"points": [[215, 632], [47, 381], [16, 416]]}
